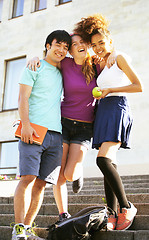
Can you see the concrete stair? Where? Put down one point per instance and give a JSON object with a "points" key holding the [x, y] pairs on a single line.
{"points": [[136, 187]]}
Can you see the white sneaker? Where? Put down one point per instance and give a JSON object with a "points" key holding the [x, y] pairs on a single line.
{"points": [[18, 232], [30, 233]]}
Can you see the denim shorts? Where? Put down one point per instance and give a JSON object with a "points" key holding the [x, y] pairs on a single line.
{"points": [[43, 161], [77, 132]]}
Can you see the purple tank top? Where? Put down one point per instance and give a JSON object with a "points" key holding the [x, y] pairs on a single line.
{"points": [[78, 102]]}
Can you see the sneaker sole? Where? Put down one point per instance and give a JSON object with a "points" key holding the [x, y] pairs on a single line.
{"points": [[19, 238], [22, 238]]}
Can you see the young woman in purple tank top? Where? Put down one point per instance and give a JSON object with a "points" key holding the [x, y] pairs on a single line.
{"points": [[77, 117]]}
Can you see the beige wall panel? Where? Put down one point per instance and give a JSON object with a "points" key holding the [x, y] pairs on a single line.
{"points": [[26, 35]]}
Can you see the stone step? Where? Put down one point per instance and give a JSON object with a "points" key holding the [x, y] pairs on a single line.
{"points": [[140, 222], [8, 187], [5, 233], [101, 186], [51, 209], [101, 191], [134, 198], [137, 192], [100, 182], [121, 235], [97, 199], [125, 179]]}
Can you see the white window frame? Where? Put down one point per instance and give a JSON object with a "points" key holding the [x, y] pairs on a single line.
{"points": [[1, 9], [14, 8], [11, 85], [9, 158]]}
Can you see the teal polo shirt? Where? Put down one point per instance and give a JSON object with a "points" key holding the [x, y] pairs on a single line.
{"points": [[45, 98]]}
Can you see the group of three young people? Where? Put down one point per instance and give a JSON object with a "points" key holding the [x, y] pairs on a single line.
{"points": [[112, 123]]}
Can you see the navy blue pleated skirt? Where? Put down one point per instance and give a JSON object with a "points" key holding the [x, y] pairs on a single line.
{"points": [[113, 122]]}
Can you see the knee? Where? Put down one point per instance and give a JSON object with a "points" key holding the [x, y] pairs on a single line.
{"points": [[68, 176], [102, 161], [99, 161], [39, 184], [27, 179], [61, 179]]}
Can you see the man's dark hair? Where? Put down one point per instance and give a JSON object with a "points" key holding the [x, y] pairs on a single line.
{"points": [[60, 36]]}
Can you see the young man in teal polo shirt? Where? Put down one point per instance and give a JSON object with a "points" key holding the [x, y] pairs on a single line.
{"points": [[39, 103]]}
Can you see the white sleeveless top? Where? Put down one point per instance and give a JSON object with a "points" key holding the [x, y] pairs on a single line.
{"points": [[112, 77]]}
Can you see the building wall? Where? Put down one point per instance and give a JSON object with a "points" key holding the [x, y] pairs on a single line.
{"points": [[25, 36]]}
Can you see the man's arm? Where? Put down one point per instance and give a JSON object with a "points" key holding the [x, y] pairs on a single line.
{"points": [[27, 131], [35, 63]]}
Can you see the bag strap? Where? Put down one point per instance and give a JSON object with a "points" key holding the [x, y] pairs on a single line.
{"points": [[82, 236]]}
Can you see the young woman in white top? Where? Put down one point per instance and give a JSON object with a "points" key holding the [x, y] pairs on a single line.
{"points": [[113, 118]]}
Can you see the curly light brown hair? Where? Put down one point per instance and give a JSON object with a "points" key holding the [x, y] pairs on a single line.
{"points": [[92, 25]]}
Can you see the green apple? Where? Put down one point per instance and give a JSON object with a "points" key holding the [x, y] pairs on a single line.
{"points": [[96, 92]]}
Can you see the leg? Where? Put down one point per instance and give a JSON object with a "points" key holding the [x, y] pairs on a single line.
{"points": [[73, 168], [127, 210], [77, 170], [60, 190], [20, 199], [110, 196], [104, 161], [36, 201]]}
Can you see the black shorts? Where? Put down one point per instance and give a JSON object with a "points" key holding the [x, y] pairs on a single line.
{"points": [[77, 132]]}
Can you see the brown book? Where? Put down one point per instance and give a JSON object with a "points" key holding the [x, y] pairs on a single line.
{"points": [[41, 131]]}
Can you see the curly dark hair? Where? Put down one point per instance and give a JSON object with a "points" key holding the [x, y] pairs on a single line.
{"points": [[92, 25]]}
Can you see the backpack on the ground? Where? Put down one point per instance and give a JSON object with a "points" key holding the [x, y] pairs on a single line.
{"points": [[79, 226]]}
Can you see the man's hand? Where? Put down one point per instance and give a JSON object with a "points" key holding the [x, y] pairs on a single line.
{"points": [[111, 59], [33, 63], [96, 59], [27, 134]]}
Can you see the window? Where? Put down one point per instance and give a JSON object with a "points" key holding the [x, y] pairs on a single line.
{"points": [[59, 2], [17, 8], [40, 4], [1, 6], [13, 72], [9, 158], [64, 1]]}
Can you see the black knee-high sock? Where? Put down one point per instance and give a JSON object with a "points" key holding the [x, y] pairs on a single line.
{"points": [[110, 195], [112, 177]]}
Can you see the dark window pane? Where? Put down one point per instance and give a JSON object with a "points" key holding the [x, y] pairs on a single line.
{"points": [[64, 1]]}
